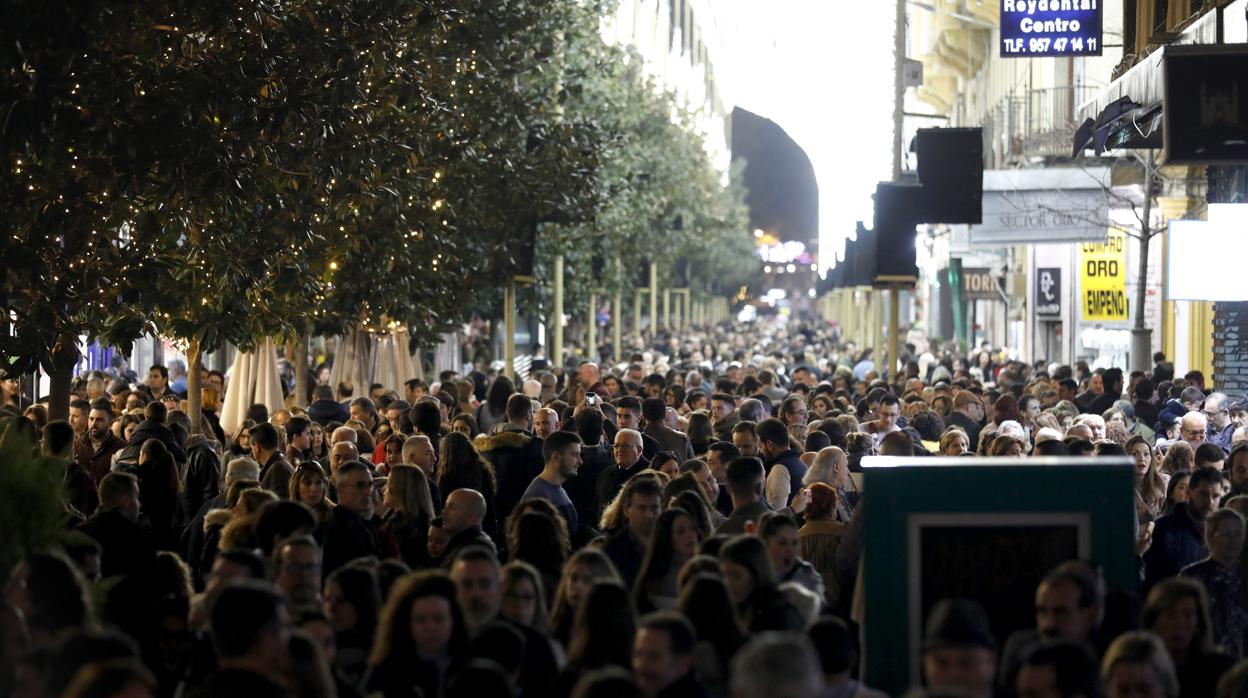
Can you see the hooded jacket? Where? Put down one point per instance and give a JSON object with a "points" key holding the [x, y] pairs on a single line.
{"points": [[517, 458]]}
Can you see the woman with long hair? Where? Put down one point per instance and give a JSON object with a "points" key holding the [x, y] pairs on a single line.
{"points": [[240, 441], [524, 596], [614, 386], [602, 633], [310, 485], [587, 567], [534, 539], [1176, 490], [1177, 611], [666, 462], [1150, 483], [674, 542], [352, 598], [210, 405], [420, 640], [494, 409], [1137, 664], [320, 448], [461, 467], [831, 467], [820, 537], [1007, 446], [159, 485], [1179, 456], [700, 432], [562, 539], [705, 602], [410, 511], [752, 586], [465, 424]]}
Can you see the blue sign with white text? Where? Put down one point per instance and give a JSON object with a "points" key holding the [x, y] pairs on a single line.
{"points": [[1038, 28]]}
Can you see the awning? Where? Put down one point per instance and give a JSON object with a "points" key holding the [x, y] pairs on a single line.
{"points": [[1124, 124], [1126, 114]]}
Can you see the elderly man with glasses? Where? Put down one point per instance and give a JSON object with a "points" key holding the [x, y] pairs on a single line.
{"points": [[1192, 429], [1220, 429]]}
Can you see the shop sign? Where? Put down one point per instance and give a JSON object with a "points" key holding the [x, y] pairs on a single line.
{"points": [[1103, 268], [1035, 28], [1048, 292], [1034, 217], [978, 284]]}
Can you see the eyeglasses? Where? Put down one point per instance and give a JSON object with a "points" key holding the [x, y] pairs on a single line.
{"points": [[305, 568]]}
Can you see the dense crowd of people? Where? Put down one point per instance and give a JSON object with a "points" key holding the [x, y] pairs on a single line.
{"points": [[685, 523]]}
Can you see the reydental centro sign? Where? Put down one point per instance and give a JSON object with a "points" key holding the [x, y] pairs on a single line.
{"points": [[1036, 28]]}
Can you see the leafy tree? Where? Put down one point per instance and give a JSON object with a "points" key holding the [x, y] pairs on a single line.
{"points": [[69, 135]]}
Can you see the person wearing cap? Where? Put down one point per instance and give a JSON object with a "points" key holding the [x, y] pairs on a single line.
{"points": [[959, 650]]}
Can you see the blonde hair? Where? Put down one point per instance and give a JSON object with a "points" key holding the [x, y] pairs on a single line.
{"points": [[409, 490], [947, 438]]}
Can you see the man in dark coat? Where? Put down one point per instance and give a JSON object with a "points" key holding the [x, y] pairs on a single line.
{"points": [[628, 462], [95, 448], [461, 520], [641, 504], [325, 409], [654, 410], [1179, 537], [201, 477], [250, 636], [348, 533], [784, 466], [968, 415], [515, 453], [596, 457], [126, 548], [275, 470], [153, 426]]}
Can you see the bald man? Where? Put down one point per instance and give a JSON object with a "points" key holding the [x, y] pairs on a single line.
{"points": [[1080, 431], [344, 434], [461, 520], [1194, 429], [545, 422], [342, 452]]}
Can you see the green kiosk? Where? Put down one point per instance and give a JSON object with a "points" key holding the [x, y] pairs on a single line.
{"points": [[987, 529]]}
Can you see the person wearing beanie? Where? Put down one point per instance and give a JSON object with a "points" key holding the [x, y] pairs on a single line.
{"points": [[959, 650]]}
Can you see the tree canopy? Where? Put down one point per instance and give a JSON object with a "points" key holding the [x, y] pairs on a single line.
{"points": [[222, 173]]}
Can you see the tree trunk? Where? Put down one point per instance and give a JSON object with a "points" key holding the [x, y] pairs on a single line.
{"points": [[301, 369], [194, 402], [1141, 336], [63, 359]]}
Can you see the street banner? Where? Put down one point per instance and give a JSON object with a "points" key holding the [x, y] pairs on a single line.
{"points": [[1103, 272]]}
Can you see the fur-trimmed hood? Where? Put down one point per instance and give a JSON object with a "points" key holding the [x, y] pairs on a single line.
{"points": [[217, 517], [485, 443]]}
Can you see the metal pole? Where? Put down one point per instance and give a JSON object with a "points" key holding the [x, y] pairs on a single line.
{"points": [[899, 88], [556, 349], [654, 300], [591, 330], [667, 309], [637, 313], [617, 314], [894, 327], [877, 325], [509, 329]]}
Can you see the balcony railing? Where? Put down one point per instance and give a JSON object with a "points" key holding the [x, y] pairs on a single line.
{"points": [[1038, 123]]}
